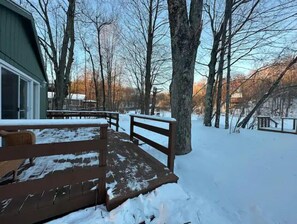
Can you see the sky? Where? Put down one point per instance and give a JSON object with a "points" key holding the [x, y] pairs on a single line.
{"points": [[272, 43]]}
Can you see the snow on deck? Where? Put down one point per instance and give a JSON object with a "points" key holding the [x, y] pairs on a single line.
{"points": [[26, 122]]}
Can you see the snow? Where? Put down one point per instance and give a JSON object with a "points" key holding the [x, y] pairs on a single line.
{"points": [[246, 177], [25, 122], [47, 164], [164, 119], [82, 111]]}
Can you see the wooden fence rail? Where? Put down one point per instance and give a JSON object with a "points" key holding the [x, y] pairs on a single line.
{"points": [[265, 124], [170, 133], [112, 117], [21, 192]]}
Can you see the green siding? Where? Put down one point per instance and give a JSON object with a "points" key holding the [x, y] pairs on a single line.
{"points": [[17, 44], [18, 48]]}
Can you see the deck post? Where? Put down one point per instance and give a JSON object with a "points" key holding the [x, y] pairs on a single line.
{"points": [[171, 145], [259, 123], [102, 163], [282, 124], [294, 124], [131, 127], [117, 122]]}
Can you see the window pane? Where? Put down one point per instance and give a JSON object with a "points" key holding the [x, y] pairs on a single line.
{"points": [[9, 92], [23, 99]]}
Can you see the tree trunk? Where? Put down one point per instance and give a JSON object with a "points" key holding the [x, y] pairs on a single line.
{"points": [[63, 67], [267, 94], [101, 66], [185, 38], [154, 101], [210, 82], [149, 52], [228, 7], [228, 96]]}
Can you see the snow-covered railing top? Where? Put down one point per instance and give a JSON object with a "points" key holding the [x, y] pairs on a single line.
{"points": [[154, 118], [82, 111], [113, 117], [15, 124], [170, 133]]}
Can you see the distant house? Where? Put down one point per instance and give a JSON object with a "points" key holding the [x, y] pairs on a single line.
{"points": [[74, 101], [23, 80]]}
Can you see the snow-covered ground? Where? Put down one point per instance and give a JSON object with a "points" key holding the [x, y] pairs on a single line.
{"points": [[246, 177]]}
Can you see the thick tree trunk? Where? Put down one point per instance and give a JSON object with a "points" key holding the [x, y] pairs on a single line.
{"points": [[63, 67], [185, 38], [244, 122]]}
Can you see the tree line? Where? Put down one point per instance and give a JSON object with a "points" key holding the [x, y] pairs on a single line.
{"points": [[149, 44]]}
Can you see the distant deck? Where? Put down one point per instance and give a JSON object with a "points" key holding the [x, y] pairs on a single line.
{"points": [[287, 125], [130, 172]]}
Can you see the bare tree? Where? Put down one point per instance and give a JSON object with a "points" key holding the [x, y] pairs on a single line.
{"points": [[146, 24], [244, 122], [60, 51], [95, 16], [185, 30], [110, 40]]}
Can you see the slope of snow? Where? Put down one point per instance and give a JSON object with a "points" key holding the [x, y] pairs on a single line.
{"points": [[250, 177]]}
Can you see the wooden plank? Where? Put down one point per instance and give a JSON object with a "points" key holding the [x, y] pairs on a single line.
{"points": [[52, 181], [116, 201], [152, 143], [37, 150], [51, 211], [158, 130], [44, 126], [152, 118]]}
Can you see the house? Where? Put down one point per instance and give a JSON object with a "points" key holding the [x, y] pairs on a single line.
{"points": [[23, 80], [74, 101]]}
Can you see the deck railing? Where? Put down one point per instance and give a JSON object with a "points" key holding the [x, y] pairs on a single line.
{"points": [[266, 122], [78, 174], [170, 133], [294, 128], [112, 117]]}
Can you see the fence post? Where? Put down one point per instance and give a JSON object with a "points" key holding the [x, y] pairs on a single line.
{"points": [[282, 124], [117, 122], [259, 123], [131, 127], [102, 163], [294, 124], [171, 145]]}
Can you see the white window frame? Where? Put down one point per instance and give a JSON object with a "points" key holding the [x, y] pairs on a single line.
{"points": [[31, 83]]}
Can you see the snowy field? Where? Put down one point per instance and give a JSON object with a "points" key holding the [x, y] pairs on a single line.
{"points": [[246, 177]]}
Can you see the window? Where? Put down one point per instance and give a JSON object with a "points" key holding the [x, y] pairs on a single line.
{"points": [[19, 95]]}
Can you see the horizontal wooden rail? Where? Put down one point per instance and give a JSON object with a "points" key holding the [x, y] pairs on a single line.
{"points": [[61, 148], [170, 133], [264, 124], [51, 181], [79, 173], [112, 117]]}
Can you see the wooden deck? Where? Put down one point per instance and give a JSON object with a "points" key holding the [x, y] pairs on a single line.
{"points": [[135, 171], [130, 172]]}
